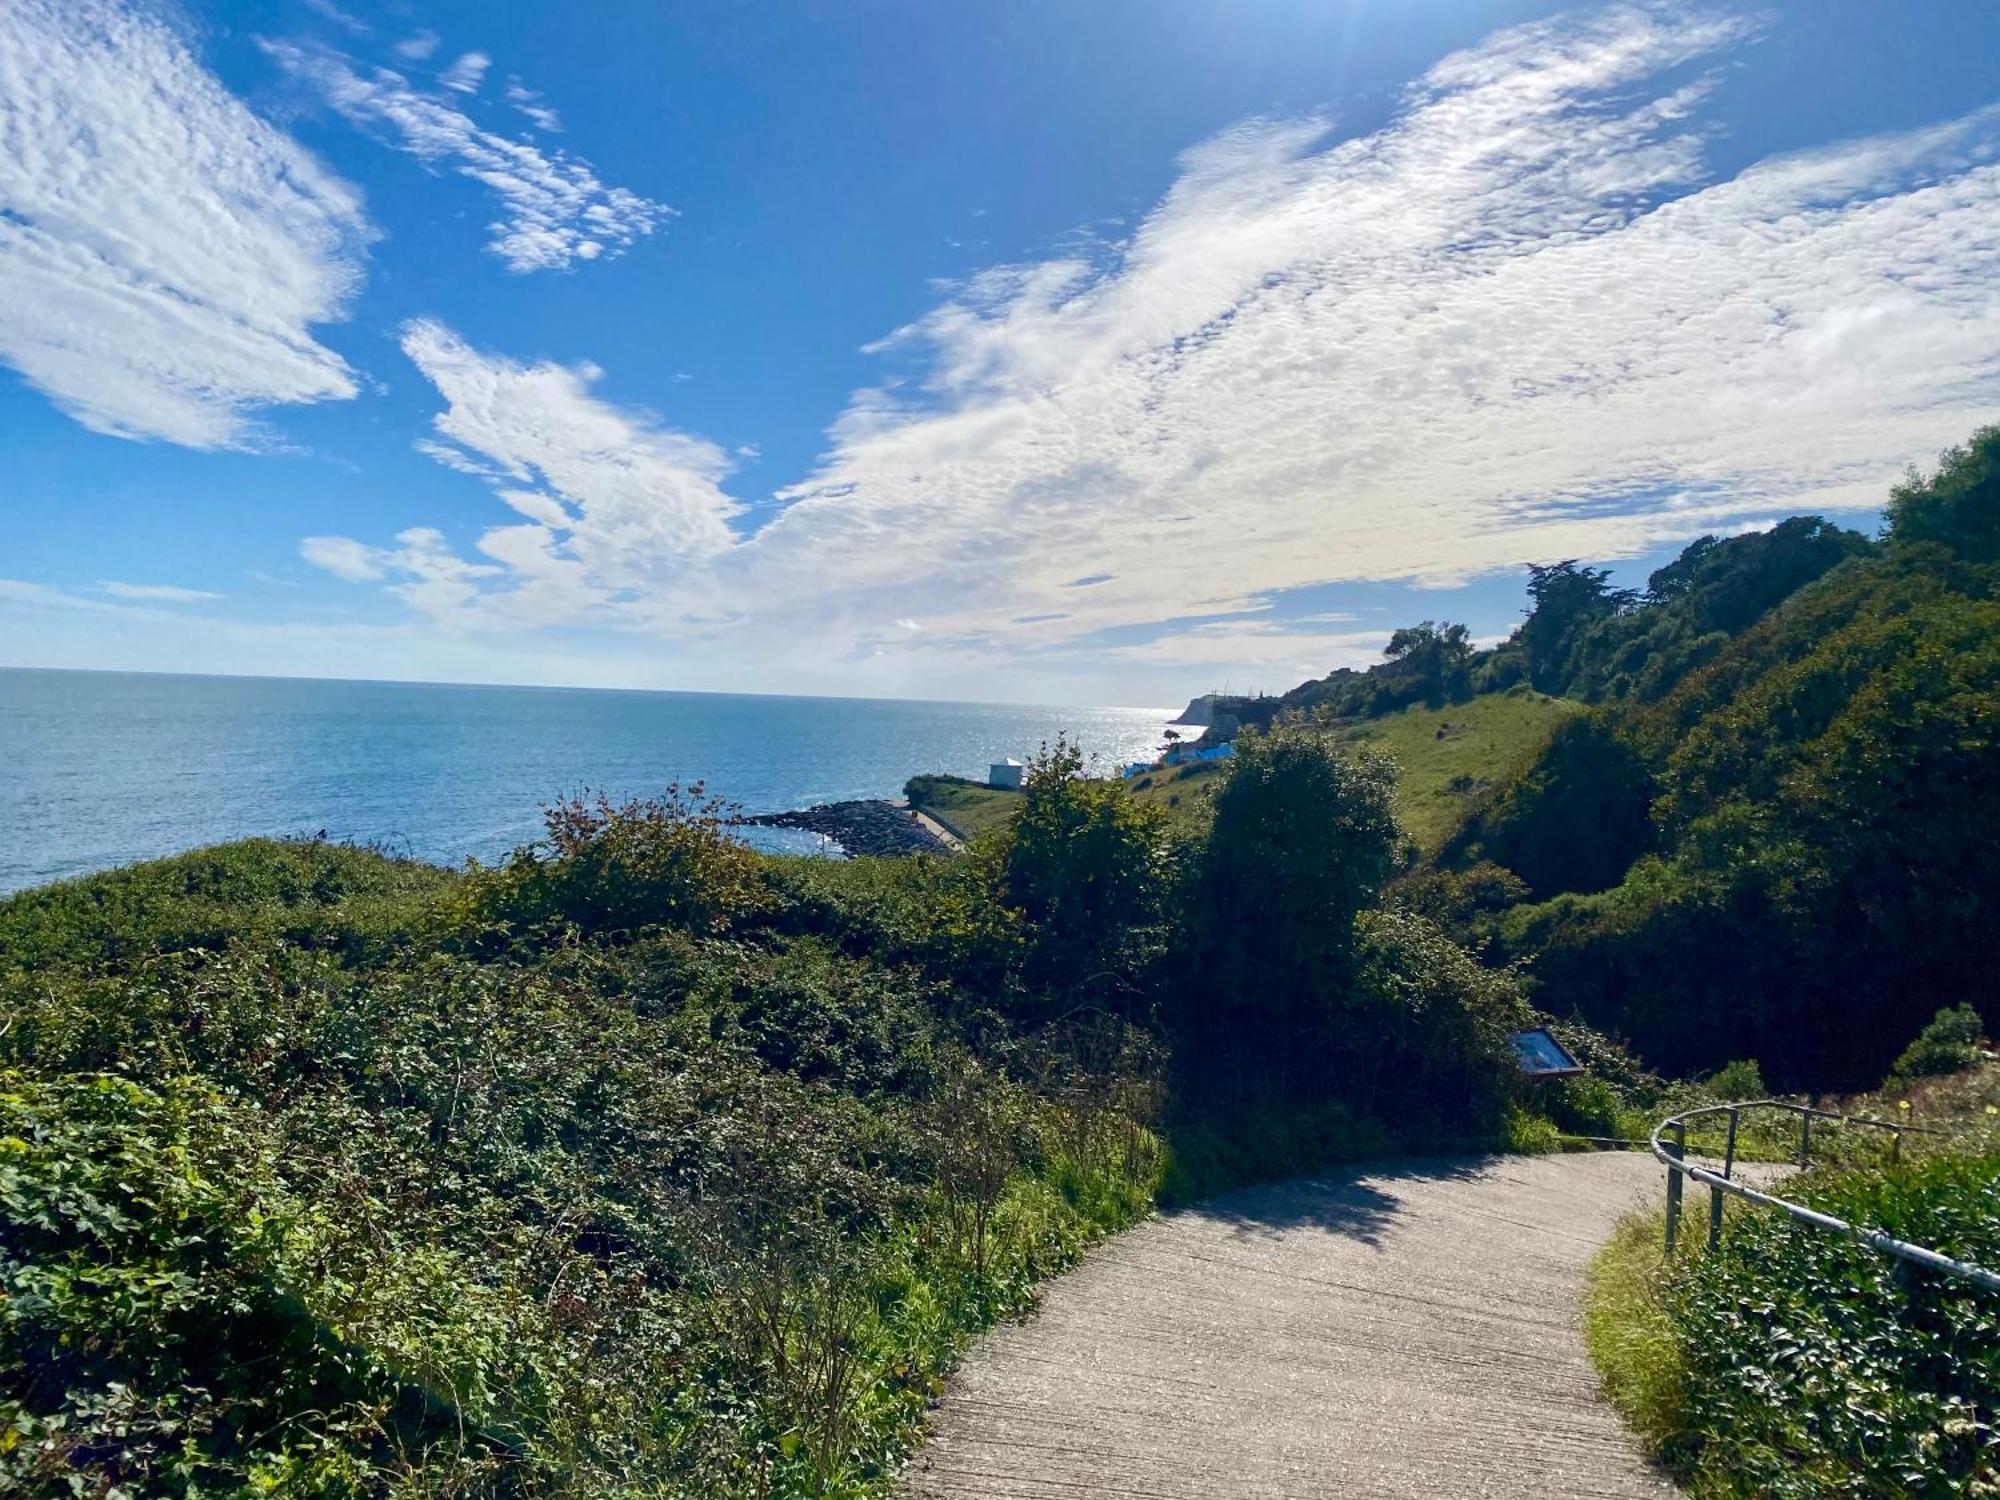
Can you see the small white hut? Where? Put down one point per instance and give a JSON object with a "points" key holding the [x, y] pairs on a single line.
{"points": [[1006, 773]]}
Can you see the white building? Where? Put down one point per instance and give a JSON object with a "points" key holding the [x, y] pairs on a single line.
{"points": [[1006, 773]]}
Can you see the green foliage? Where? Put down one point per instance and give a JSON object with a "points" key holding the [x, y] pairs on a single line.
{"points": [[165, 1311], [1698, 603], [1564, 602], [1816, 1367], [1575, 819], [1435, 659], [1959, 505], [311, 893], [655, 1209], [1795, 1363], [1737, 1081], [1821, 871], [1299, 988], [1087, 871], [1641, 1362], [606, 868], [1949, 1043]]}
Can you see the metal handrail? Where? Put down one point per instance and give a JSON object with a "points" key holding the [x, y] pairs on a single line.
{"points": [[1674, 1155]]}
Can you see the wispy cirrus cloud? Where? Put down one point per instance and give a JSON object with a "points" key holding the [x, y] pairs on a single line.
{"points": [[1524, 319], [465, 75], [156, 593], [531, 104], [555, 209], [164, 253]]}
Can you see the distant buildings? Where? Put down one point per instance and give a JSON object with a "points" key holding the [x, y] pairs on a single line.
{"points": [[1006, 773], [1180, 755]]}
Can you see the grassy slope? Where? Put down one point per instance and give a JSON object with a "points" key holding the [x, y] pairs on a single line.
{"points": [[1448, 755], [967, 808], [1186, 792]]}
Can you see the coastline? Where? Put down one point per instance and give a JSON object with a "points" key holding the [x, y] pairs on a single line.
{"points": [[865, 827]]}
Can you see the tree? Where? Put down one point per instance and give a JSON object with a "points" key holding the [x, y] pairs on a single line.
{"points": [[1438, 656], [1565, 599], [1086, 870], [1959, 505], [1303, 840]]}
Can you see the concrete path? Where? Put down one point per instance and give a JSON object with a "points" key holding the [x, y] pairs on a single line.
{"points": [[1405, 1331]]}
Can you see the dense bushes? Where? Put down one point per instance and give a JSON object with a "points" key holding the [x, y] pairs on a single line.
{"points": [[1949, 1043], [1298, 988], [1794, 1363], [641, 1165], [1086, 868], [1574, 820], [609, 869]]}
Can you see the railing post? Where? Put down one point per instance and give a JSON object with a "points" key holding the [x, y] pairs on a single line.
{"points": [[1896, 1144], [1714, 1192], [1677, 1150], [1805, 1137]]}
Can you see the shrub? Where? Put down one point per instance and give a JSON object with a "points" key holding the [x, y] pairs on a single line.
{"points": [[1087, 870], [1737, 1081], [1815, 1366], [1949, 1044], [1302, 840], [669, 860]]}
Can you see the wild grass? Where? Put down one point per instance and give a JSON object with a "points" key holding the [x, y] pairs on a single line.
{"points": [[967, 808], [1447, 757]]}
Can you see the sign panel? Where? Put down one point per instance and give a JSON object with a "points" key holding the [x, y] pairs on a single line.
{"points": [[1540, 1055]]}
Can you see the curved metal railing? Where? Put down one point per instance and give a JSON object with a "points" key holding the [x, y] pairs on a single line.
{"points": [[1674, 1154]]}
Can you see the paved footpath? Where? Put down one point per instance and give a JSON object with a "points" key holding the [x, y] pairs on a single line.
{"points": [[1402, 1331]]}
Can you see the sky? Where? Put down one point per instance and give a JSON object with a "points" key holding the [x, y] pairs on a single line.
{"points": [[1046, 351]]}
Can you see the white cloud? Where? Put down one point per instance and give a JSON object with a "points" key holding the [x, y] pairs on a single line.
{"points": [[344, 558], [465, 75], [158, 593], [621, 508], [529, 103], [1517, 322], [164, 253], [417, 48], [556, 211], [341, 18], [1522, 320]]}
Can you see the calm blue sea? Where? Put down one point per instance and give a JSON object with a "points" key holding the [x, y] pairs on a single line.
{"points": [[101, 768]]}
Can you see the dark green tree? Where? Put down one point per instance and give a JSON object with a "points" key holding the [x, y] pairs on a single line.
{"points": [[1087, 870], [1958, 505], [1436, 656]]}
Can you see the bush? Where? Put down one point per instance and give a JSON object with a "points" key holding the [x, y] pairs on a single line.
{"points": [[655, 1209], [1302, 840], [1577, 817], [1087, 870], [1815, 1366], [669, 860], [1738, 1081], [1949, 1044]]}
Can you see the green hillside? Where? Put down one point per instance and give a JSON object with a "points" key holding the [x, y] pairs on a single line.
{"points": [[1447, 758], [967, 808]]}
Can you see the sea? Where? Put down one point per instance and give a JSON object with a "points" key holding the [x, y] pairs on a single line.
{"points": [[99, 769]]}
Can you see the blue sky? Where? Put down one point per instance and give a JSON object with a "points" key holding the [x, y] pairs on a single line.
{"points": [[1092, 352]]}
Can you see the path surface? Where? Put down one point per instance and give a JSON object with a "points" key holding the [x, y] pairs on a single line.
{"points": [[1407, 1331]]}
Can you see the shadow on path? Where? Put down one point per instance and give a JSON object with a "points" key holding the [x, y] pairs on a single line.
{"points": [[1361, 1202]]}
